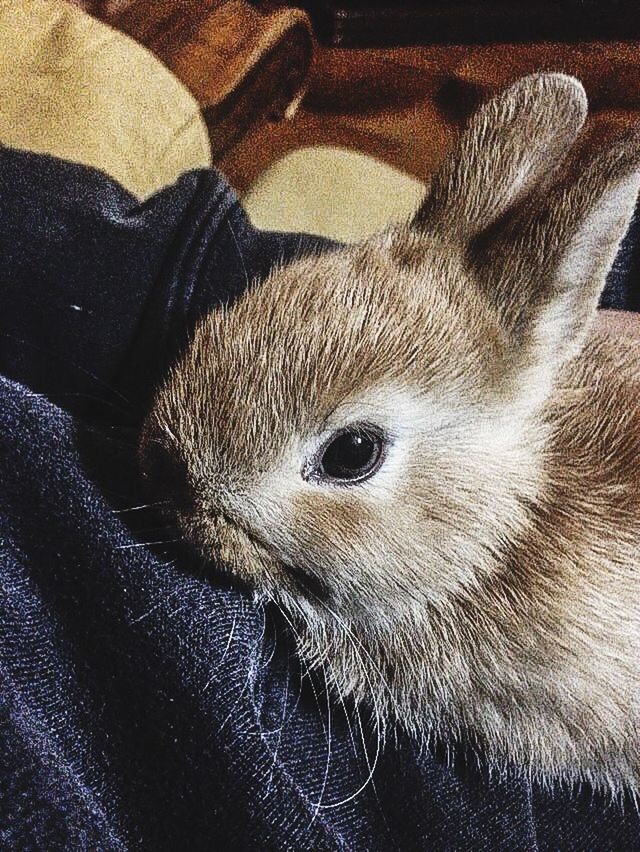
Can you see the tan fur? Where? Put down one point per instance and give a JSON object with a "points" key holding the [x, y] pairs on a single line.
{"points": [[485, 581]]}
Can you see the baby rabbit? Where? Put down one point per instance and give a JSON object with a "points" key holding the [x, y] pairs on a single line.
{"points": [[426, 452]]}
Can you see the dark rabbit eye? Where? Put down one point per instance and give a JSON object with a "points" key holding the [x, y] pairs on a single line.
{"points": [[351, 455]]}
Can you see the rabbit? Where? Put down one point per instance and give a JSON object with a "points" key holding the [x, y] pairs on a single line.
{"points": [[425, 449]]}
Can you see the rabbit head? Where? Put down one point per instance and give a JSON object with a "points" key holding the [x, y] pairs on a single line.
{"points": [[359, 437]]}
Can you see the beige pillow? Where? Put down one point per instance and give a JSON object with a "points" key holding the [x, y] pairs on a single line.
{"points": [[334, 192], [75, 88]]}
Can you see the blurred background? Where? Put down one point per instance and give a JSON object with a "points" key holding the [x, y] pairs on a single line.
{"points": [[328, 115]]}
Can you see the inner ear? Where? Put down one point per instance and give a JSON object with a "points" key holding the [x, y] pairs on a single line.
{"points": [[545, 266], [512, 144]]}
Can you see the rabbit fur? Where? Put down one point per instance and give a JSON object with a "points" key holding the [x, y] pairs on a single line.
{"points": [[485, 582]]}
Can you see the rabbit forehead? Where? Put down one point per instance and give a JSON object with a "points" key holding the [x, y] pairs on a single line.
{"points": [[323, 333], [326, 327], [397, 286]]}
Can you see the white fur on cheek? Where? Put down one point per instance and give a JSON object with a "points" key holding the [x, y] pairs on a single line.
{"points": [[437, 454]]}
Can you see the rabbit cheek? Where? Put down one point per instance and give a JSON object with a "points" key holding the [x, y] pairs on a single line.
{"points": [[219, 541], [329, 539]]}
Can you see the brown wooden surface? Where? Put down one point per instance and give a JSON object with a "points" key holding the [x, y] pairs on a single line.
{"points": [[401, 105], [405, 105]]}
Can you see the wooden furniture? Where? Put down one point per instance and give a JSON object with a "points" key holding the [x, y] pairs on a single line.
{"points": [[384, 23], [404, 105]]}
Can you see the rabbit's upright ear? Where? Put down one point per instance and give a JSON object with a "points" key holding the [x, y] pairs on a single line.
{"points": [[545, 266], [511, 144], [539, 238]]}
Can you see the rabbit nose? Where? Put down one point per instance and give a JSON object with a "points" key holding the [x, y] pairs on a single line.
{"points": [[167, 476]]}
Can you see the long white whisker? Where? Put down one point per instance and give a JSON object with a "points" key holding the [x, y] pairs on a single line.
{"points": [[141, 506], [223, 656], [304, 663], [147, 543], [240, 255], [356, 642], [377, 714], [279, 730]]}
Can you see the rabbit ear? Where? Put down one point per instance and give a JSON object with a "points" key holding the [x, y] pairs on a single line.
{"points": [[510, 144], [546, 266]]}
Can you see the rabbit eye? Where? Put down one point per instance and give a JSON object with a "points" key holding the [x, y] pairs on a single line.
{"points": [[350, 455]]}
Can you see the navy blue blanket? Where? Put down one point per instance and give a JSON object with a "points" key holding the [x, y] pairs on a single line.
{"points": [[143, 703]]}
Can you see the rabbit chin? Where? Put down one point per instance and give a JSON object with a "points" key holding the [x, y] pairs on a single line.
{"points": [[432, 676], [448, 671]]}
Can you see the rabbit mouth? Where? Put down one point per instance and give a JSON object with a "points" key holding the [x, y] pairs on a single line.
{"points": [[243, 553], [307, 584]]}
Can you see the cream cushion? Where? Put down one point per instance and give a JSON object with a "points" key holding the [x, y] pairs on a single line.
{"points": [[75, 88], [333, 192]]}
